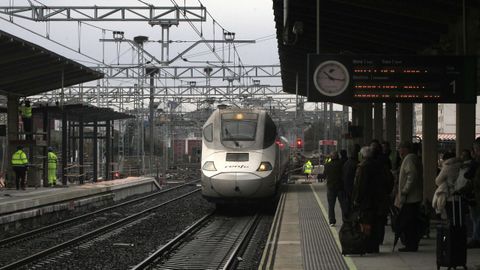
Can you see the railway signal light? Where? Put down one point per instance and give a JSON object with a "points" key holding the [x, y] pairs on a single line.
{"points": [[299, 143]]}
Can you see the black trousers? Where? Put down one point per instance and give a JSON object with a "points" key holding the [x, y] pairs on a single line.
{"points": [[410, 224], [377, 234], [27, 128], [20, 179], [332, 195]]}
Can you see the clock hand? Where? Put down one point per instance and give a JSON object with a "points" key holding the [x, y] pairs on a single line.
{"points": [[329, 76], [333, 78]]}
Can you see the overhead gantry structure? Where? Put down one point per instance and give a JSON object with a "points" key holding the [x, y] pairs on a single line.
{"points": [[152, 14], [121, 81]]}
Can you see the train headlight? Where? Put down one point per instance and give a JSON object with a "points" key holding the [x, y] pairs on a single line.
{"points": [[209, 166], [265, 166]]}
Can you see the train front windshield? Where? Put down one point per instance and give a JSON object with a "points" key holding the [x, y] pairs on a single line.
{"points": [[239, 126]]}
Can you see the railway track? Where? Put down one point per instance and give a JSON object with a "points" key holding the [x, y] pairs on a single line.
{"points": [[213, 242], [31, 246]]}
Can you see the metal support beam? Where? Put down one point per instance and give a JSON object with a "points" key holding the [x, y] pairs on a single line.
{"points": [[465, 127], [46, 137], [367, 123], [164, 60], [80, 150], [108, 141], [151, 121], [378, 121], [95, 152], [64, 146], [112, 145], [405, 111], [429, 148], [391, 127], [12, 135], [151, 14]]}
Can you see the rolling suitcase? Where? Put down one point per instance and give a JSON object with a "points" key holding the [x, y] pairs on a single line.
{"points": [[452, 239]]}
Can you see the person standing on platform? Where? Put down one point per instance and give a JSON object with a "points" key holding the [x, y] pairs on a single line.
{"points": [[333, 171], [409, 196], [26, 113], [474, 187], [348, 177], [383, 188], [19, 165], [445, 182], [307, 169], [365, 198], [52, 167]]}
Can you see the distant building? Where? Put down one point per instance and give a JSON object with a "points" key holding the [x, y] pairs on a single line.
{"points": [[446, 119]]}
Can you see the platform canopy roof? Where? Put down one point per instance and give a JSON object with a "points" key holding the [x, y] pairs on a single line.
{"points": [[28, 69], [81, 112], [364, 27]]}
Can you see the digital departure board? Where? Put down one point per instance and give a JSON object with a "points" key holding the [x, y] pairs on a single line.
{"points": [[381, 78]]}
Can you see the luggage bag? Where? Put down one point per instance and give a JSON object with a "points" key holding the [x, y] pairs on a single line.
{"points": [[452, 239], [352, 240]]}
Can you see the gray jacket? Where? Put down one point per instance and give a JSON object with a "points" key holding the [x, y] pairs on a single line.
{"points": [[410, 183]]}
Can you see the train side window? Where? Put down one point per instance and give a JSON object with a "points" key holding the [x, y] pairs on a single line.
{"points": [[270, 132], [208, 133]]}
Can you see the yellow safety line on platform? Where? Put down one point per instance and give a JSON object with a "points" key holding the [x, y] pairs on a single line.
{"points": [[347, 260]]}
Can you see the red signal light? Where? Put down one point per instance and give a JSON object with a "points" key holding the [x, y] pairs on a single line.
{"points": [[299, 143]]}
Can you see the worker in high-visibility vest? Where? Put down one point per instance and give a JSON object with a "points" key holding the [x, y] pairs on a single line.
{"points": [[26, 114], [52, 167], [307, 168], [19, 165]]}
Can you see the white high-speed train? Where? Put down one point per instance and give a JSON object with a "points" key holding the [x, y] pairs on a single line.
{"points": [[243, 159]]}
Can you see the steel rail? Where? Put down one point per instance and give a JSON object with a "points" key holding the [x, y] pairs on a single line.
{"points": [[241, 246], [86, 236], [48, 228], [168, 246], [231, 261]]}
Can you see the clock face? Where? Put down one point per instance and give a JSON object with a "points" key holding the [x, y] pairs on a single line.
{"points": [[331, 78]]}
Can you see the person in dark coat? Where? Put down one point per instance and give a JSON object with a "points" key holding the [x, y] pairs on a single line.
{"points": [[343, 156], [348, 178], [474, 187], [383, 189], [364, 197], [333, 171]]}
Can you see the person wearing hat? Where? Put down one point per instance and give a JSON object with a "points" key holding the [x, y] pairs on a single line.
{"points": [[409, 196], [52, 167], [19, 165]]}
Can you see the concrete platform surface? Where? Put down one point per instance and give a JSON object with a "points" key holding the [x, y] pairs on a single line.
{"points": [[12, 200], [289, 254]]}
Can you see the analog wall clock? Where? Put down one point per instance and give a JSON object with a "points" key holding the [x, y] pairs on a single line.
{"points": [[331, 78]]}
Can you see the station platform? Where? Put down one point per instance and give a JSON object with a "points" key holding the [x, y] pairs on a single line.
{"points": [[22, 204], [301, 238]]}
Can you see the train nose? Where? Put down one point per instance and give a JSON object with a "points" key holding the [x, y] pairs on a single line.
{"points": [[236, 184]]}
